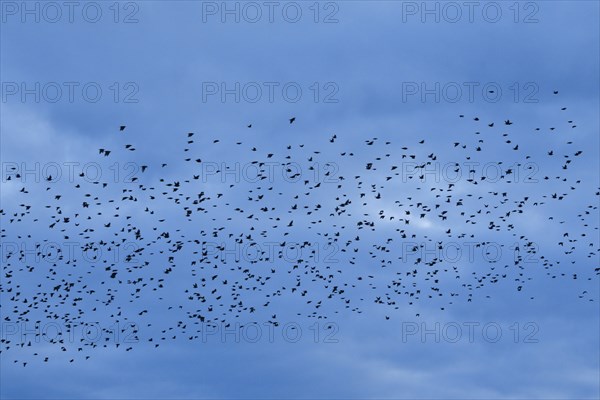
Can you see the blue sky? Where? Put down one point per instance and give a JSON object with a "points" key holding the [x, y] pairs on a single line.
{"points": [[355, 67]]}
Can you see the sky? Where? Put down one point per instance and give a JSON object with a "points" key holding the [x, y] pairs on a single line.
{"points": [[398, 71]]}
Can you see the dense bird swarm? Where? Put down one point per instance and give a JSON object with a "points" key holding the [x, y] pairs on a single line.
{"points": [[329, 233]]}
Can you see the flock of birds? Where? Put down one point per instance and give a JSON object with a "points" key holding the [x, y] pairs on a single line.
{"points": [[367, 237]]}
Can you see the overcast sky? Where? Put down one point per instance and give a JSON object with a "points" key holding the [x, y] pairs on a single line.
{"points": [[399, 71]]}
